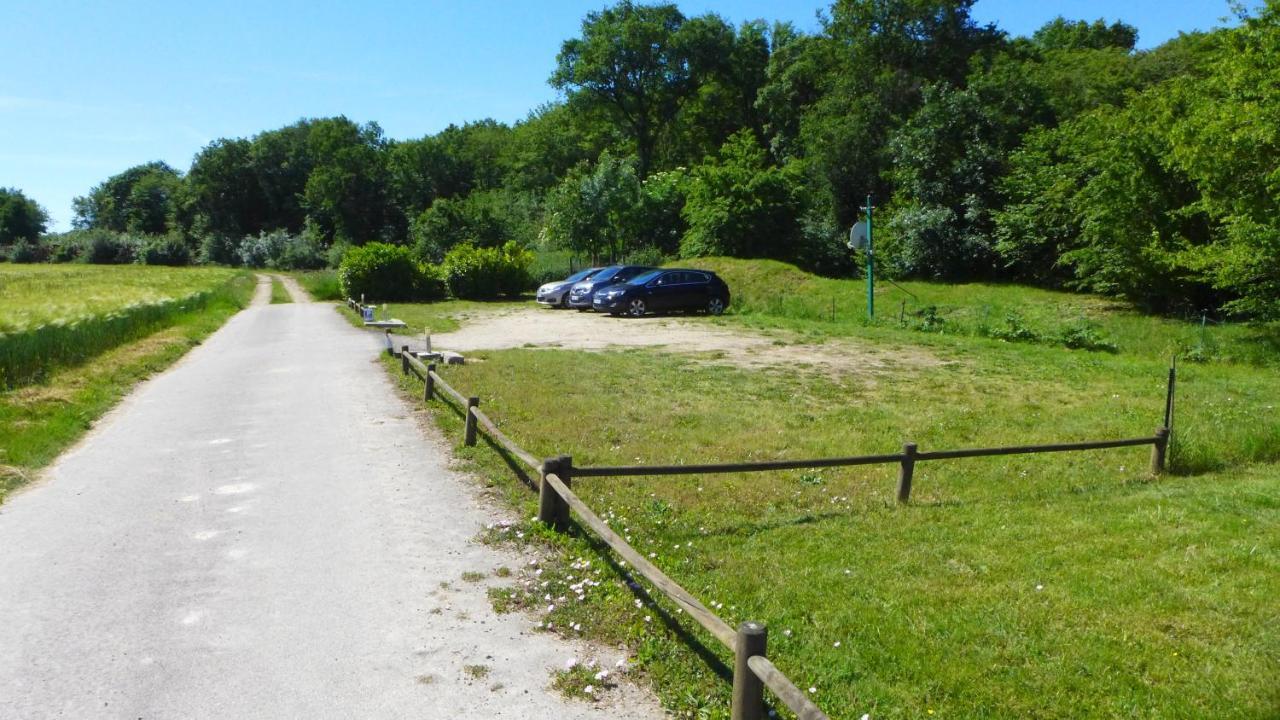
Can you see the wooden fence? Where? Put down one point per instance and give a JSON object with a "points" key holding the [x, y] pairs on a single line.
{"points": [[752, 670]]}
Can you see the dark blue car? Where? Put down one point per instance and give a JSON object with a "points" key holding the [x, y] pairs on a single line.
{"points": [[583, 294], [664, 291]]}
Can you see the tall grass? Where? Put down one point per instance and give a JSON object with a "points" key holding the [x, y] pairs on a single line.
{"points": [[62, 316], [322, 285]]}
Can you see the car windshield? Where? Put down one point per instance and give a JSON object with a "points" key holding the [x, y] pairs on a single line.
{"points": [[643, 278], [606, 274], [581, 275]]}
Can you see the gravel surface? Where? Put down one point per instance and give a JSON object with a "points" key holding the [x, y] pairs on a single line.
{"points": [[265, 531], [565, 329]]}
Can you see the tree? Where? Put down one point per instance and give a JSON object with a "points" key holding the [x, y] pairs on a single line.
{"points": [[345, 195], [1062, 34], [142, 199], [630, 62], [21, 218], [740, 205], [591, 211]]}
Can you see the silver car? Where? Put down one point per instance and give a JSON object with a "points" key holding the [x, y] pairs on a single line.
{"points": [[556, 294]]}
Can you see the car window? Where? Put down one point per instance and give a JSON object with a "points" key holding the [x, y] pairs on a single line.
{"points": [[605, 274], [580, 275], [644, 277], [697, 277]]}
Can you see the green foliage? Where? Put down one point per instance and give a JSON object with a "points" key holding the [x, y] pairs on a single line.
{"points": [[105, 247], [1063, 34], [474, 273], [741, 205], [592, 212], [140, 200], [380, 272], [169, 249], [21, 218]]}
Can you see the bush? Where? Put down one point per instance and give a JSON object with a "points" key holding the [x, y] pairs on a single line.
{"points": [[382, 272], [165, 250], [302, 252], [104, 247], [481, 273], [26, 251], [261, 250], [219, 249]]}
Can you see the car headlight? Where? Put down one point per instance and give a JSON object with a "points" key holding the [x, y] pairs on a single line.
{"points": [[614, 293]]}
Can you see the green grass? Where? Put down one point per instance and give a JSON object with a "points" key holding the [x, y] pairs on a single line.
{"points": [[279, 295], [1054, 586], [437, 317], [40, 420], [56, 315], [768, 293], [322, 285]]}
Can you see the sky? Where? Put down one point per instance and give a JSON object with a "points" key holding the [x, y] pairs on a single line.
{"points": [[93, 87]]}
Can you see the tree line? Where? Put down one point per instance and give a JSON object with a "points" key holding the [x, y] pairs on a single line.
{"points": [[1064, 159]]}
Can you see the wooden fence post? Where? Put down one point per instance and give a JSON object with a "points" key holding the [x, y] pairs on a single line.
{"points": [[906, 472], [748, 689], [404, 360], [552, 509], [430, 387], [473, 402], [1158, 449]]}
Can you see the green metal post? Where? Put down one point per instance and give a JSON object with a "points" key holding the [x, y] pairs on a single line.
{"points": [[871, 268]]}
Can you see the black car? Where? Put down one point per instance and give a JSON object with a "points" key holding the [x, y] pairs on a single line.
{"points": [[556, 294], [665, 290], [583, 293]]}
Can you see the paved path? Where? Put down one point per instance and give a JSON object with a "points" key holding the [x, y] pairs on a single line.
{"points": [[263, 532]]}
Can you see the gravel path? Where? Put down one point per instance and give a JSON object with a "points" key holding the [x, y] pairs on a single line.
{"points": [[265, 531]]}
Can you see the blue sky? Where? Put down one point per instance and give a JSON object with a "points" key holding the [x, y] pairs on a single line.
{"points": [[92, 88]]}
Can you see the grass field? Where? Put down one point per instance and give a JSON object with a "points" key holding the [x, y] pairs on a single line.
{"points": [[55, 315], [772, 294], [95, 359], [1057, 586]]}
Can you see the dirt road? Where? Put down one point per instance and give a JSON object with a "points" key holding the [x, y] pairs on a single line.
{"points": [[265, 532]]}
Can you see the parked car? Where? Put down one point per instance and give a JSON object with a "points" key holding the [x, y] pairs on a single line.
{"points": [[556, 294], [664, 291], [583, 294]]}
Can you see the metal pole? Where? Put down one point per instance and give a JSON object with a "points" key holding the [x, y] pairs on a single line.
{"points": [[871, 268]]}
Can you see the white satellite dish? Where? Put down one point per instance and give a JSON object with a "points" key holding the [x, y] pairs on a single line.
{"points": [[858, 236]]}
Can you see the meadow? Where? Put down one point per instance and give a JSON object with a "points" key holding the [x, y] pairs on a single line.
{"points": [[77, 338], [56, 315], [1057, 586]]}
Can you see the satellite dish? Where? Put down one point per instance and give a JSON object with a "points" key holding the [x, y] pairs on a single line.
{"points": [[858, 236]]}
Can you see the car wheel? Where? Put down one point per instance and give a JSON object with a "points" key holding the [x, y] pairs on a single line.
{"points": [[715, 306], [636, 308]]}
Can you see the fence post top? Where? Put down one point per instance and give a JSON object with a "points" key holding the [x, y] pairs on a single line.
{"points": [[752, 628], [473, 400], [1162, 432]]}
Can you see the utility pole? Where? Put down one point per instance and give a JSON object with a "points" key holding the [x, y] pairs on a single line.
{"points": [[871, 267]]}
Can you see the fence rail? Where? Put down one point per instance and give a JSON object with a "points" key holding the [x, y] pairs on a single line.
{"points": [[753, 671]]}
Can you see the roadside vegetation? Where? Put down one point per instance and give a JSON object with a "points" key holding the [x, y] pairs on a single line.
{"points": [[81, 337], [279, 295], [1053, 586]]}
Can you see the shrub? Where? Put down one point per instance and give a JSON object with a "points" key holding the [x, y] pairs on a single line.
{"points": [[1086, 336], [219, 249], [302, 252], [168, 249], [382, 272], [27, 251], [104, 247], [480, 273], [259, 251]]}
